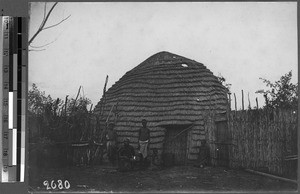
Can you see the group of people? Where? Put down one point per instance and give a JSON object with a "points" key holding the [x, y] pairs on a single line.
{"points": [[128, 158], [126, 155]]}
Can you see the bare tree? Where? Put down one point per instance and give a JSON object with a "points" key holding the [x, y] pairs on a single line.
{"points": [[42, 27]]}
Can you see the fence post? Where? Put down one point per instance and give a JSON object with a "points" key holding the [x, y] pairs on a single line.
{"points": [[256, 103], [242, 100], [235, 101], [66, 105], [229, 94], [266, 99], [249, 106]]}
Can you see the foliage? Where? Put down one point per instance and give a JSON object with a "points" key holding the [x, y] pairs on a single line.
{"points": [[37, 100], [222, 80], [282, 93], [58, 120], [79, 105]]}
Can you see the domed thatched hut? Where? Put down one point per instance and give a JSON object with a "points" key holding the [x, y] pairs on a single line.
{"points": [[177, 96]]}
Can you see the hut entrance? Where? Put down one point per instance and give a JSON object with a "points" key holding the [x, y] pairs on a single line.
{"points": [[176, 143], [222, 143]]}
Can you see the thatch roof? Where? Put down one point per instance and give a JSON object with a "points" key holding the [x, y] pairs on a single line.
{"points": [[165, 89]]}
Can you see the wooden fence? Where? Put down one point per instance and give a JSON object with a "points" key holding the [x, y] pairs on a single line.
{"points": [[264, 140]]}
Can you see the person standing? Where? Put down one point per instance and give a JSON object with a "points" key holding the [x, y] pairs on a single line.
{"points": [[111, 137], [144, 139]]}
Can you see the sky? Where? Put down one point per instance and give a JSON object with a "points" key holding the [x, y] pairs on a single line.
{"points": [[242, 41]]}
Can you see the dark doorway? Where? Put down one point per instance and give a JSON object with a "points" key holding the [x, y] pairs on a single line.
{"points": [[176, 142], [222, 143]]}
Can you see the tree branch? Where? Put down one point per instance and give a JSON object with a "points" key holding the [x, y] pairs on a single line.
{"points": [[57, 23], [42, 24], [44, 44], [36, 50], [45, 10]]}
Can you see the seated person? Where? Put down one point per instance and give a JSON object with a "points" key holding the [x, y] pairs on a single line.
{"points": [[126, 156]]}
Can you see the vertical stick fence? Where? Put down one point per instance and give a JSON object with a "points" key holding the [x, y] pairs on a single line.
{"points": [[264, 140]]}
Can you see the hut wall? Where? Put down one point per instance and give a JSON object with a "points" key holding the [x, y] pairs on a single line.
{"points": [[195, 135], [210, 128]]}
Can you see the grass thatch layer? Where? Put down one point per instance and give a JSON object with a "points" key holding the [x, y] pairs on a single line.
{"points": [[164, 88], [181, 101]]}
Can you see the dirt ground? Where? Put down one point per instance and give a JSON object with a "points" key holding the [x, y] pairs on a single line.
{"points": [[180, 178]]}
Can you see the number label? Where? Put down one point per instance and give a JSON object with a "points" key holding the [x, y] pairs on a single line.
{"points": [[5, 52], [5, 153], [6, 85], [5, 118], [53, 185], [45, 183], [5, 102], [59, 184], [6, 35], [6, 23], [5, 135], [67, 184], [5, 168], [5, 68]]}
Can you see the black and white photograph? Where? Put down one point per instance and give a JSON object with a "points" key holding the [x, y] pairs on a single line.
{"points": [[162, 97]]}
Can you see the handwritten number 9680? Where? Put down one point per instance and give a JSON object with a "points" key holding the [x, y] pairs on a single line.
{"points": [[60, 185]]}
